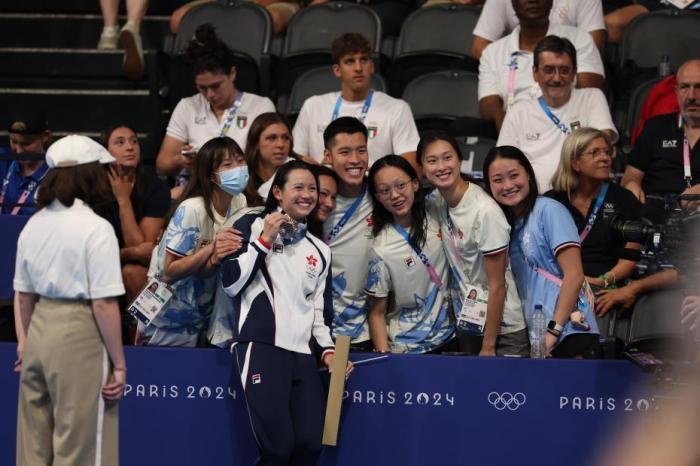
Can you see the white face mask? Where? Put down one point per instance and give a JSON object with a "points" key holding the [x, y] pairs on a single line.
{"points": [[234, 180]]}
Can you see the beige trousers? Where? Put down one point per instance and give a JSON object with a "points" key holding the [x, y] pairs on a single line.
{"points": [[63, 419]]}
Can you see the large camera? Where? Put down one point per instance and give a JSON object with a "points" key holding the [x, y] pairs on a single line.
{"points": [[673, 243]]}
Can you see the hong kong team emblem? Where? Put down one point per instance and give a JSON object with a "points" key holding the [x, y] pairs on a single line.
{"points": [[241, 122]]}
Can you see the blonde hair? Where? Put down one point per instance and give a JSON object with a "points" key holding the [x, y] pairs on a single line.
{"points": [[565, 178]]}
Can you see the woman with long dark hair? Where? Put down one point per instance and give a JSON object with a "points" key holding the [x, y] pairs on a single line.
{"points": [[269, 146], [544, 254], [69, 348], [407, 262], [277, 281], [141, 203], [475, 236], [194, 244]]}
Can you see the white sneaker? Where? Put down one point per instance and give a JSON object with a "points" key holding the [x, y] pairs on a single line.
{"points": [[130, 41], [109, 39]]}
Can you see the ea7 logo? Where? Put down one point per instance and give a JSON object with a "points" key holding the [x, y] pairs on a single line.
{"points": [[669, 143]]}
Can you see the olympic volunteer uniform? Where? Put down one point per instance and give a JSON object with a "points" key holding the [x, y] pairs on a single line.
{"points": [[68, 256], [350, 248], [498, 17], [528, 127], [389, 122], [421, 321], [549, 228], [187, 313], [18, 191], [477, 228], [278, 299], [503, 55], [194, 122]]}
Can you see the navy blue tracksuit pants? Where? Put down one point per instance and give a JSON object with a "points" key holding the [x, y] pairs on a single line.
{"points": [[285, 402]]}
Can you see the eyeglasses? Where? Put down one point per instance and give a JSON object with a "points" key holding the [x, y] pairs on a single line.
{"points": [[563, 70], [600, 152], [400, 187]]}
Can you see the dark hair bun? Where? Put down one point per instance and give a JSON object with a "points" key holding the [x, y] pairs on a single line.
{"points": [[207, 53]]}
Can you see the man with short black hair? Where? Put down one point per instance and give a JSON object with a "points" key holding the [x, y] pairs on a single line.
{"points": [[666, 158], [389, 121], [29, 134], [348, 229], [538, 127], [504, 68]]}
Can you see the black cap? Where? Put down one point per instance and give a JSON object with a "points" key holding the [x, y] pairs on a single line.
{"points": [[27, 122]]}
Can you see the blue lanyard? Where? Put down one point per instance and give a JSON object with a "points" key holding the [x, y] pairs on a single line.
{"points": [[594, 212], [6, 181], [421, 255], [232, 113], [365, 106], [562, 126], [346, 216]]}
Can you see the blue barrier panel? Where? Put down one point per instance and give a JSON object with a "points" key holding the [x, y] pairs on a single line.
{"points": [[10, 228], [185, 407]]}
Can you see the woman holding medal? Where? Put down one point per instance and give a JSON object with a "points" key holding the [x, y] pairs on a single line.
{"points": [[407, 262], [219, 109], [544, 254], [194, 243], [69, 351], [277, 281], [582, 184], [475, 235]]}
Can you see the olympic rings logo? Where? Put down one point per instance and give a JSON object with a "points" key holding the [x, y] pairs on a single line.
{"points": [[504, 400]]}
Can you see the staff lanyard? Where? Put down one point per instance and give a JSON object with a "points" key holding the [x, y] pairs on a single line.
{"points": [[421, 255], [346, 216], [365, 106], [557, 122], [512, 68], [594, 212], [232, 113], [451, 229], [22, 198], [687, 174]]}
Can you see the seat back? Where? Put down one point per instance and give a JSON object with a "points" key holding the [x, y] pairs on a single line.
{"points": [[474, 150], [634, 108], [443, 95], [655, 323]]}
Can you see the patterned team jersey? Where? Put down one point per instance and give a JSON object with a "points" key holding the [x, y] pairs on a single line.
{"points": [[350, 254], [420, 319], [189, 229]]}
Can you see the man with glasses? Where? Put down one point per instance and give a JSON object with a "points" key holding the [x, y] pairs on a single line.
{"points": [[504, 67], [539, 126], [666, 158]]}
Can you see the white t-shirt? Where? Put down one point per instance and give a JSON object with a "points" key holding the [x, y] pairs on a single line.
{"points": [[494, 65], [498, 17], [68, 253], [480, 229], [420, 319], [527, 127], [389, 123], [194, 122], [349, 257]]}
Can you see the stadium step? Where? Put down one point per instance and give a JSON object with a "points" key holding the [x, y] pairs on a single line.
{"points": [[155, 7], [82, 31]]}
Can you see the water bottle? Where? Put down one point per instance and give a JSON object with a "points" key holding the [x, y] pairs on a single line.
{"points": [[665, 65], [537, 333]]}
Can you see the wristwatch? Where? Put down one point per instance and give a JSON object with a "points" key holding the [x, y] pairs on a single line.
{"points": [[553, 325]]}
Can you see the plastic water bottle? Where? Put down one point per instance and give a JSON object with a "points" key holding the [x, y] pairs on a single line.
{"points": [[665, 65], [537, 333]]}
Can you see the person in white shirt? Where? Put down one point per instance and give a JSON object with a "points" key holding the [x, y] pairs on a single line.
{"points": [[475, 235], [504, 68], [498, 19], [69, 350], [408, 273], [348, 229], [389, 121], [538, 127], [218, 110]]}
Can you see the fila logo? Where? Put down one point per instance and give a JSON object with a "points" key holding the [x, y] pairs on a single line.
{"points": [[409, 262], [255, 378], [669, 143]]}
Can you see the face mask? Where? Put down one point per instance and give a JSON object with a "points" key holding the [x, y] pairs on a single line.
{"points": [[234, 181]]}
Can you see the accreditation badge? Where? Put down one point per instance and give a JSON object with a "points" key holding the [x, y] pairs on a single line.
{"points": [[151, 301], [472, 317]]}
